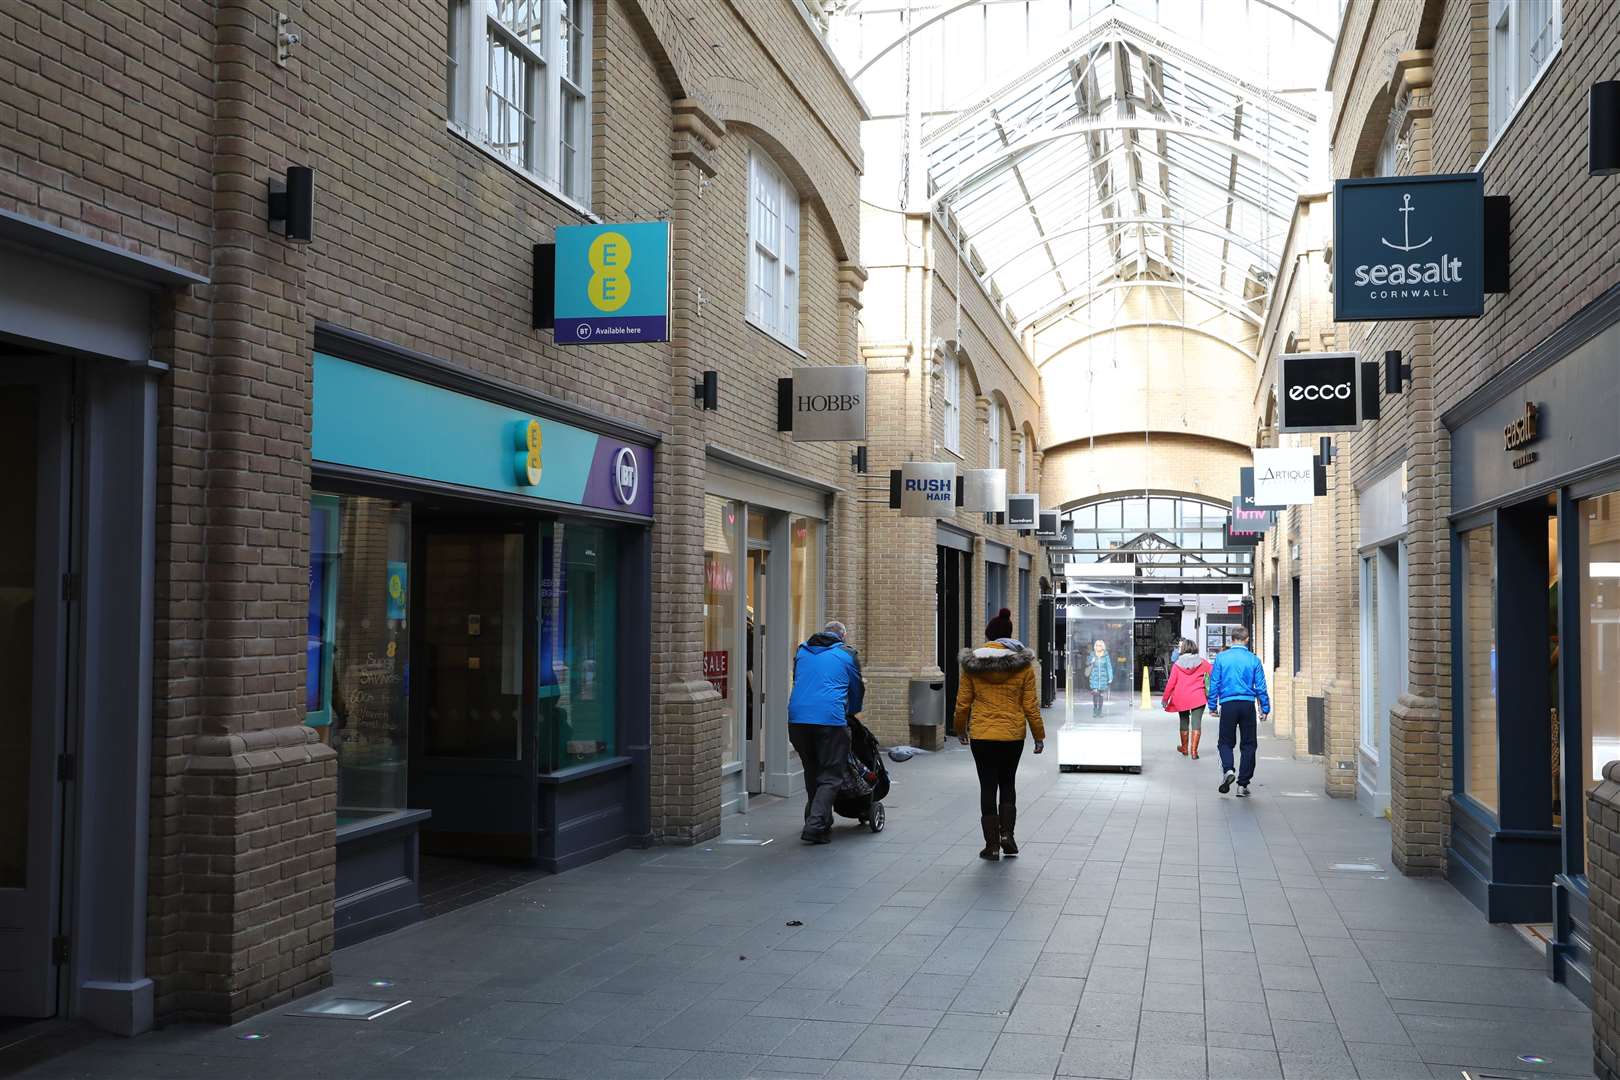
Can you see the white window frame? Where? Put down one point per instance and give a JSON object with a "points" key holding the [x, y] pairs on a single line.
{"points": [[1023, 461], [952, 372], [557, 89], [773, 249], [1369, 655], [1513, 70], [992, 442]]}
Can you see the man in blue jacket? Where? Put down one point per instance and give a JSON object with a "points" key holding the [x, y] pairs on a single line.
{"points": [[827, 690], [1236, 682]]}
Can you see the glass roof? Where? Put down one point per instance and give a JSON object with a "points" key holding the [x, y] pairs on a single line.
{"points": [[1138, 140]]}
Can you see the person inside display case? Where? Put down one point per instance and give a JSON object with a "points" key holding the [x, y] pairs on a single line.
{"points": [[1099, 675]]}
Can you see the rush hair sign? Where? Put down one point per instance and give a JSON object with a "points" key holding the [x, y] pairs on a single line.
{"points": [[1318, 392], [1409, 247]]}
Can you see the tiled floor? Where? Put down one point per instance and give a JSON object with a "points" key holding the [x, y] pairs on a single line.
{"points": [[1152, 928]]}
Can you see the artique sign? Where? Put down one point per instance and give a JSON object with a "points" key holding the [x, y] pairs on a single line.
{"points": [[1284, 477], [829, 403], [612, 283], [1521, 433], [1409, 247], [927, 489], [1319, 392]]}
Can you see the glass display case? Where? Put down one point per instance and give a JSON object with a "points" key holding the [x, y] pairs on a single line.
{"points": [[1100, 722]]}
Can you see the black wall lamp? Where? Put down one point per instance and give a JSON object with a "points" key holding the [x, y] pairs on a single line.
{"points": [[1603, 130], [706, 391], [1396, 374], [293, 205], [857, 460]]}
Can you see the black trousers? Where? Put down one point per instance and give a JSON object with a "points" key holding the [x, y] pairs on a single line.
{"points": [[997, 763], [823, 750], [1238, 728]]}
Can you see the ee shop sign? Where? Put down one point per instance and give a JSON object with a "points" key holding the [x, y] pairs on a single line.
{"points": [[1409, 247]]}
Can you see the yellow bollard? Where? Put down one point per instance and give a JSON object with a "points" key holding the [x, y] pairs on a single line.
{"points": [[1147, 700]]}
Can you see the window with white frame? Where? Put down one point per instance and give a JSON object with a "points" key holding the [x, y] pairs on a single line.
{"points": [[518, 80], [1524, 36], [773, 249], [953, 402], [1023, 462], [992, 442]]}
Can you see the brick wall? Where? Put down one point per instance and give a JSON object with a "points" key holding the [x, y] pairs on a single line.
{"points": [[1603, 873]]}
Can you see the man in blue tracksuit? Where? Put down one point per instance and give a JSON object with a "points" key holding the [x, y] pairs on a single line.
{"points": [[827, 690], [1237, 681]]}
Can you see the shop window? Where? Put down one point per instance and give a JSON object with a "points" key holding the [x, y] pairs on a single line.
{"points": [[518, 83], [995, 589], [804, 579], [1480, 776], [1524, 36], [1600, 634], [579, 602], [952, 372], [720, 633], [358, 657], [773, 244]]}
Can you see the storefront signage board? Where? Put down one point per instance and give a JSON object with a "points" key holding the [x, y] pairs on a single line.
{"points": [[984, 491], [1246, 490], [1284, 477], [1318, 392], [388, 424], [612, 283], [927, 489], [1023, 511], [1409, 247], [829, 404]]}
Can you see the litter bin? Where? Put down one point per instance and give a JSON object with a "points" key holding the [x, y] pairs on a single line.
{"points": [[926, 702]]}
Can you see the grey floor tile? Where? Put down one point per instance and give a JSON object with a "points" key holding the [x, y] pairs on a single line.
{"points": [[716, 1066], [1307, 1037], [1297, 1005], [1026, 1055], [1033, 1017], [1241, 1017], [1297, 1065], [956, 1048], [888, 1044], [1161, 1061], [1233, 1064], [1171, 1027], [756, 1035], [1174, 997], [1108, 1059]]}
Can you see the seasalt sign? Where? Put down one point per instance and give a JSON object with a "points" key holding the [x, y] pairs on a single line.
{"points": [[1521, 433], [1409, 247]]}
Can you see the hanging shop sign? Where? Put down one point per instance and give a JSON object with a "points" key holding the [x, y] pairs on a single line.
{"points": [[1249, 519], [1521, 433], [1237, 536], [391, 425], [827, 404], [1409, 247], [984, 491], [1284, 477], [1023, 511], [1246, 490], [1319, 392], [612, 283], [927, 489], [1050, 529]]}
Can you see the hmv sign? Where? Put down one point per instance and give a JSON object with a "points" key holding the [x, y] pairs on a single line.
{"points": [[829, 404], [1409, 247], [1318, 392]]}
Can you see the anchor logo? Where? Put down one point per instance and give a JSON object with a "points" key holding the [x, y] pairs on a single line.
{"points": [[1406, 226]]}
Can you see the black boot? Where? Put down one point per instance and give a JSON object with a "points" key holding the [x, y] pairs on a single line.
{"points": [[1009, 818], [991, 825]]}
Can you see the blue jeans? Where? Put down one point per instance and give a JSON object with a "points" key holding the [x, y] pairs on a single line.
{"points": [[1238, 717]]}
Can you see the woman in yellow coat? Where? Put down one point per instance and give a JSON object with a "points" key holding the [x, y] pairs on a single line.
{"points": [[997, 697]]}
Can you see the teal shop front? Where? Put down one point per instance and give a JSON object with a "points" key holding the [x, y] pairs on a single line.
{"points": [[478, 649]]}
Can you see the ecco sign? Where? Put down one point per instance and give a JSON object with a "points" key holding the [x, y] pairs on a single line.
{"points": [[1284, 477], [1319, 392], [1409, 247], [927, 489], [829, 404]]}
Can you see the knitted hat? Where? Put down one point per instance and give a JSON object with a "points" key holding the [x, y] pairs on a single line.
{"points": [[1000, 626]]}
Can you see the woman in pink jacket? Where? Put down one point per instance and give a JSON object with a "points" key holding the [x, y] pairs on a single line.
{"points": [[1186, 694]]}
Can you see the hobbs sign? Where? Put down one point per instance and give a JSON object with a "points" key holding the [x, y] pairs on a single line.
{"points": [[927, 489], [1409, 247], [829, 404], [1319, 392]]}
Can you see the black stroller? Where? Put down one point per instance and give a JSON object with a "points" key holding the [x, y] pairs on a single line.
{"points": [[866, 783]]}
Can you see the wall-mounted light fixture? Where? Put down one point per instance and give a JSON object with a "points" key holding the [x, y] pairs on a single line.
{"points": [[292, 204], [857, 460], [1603, 130], [1396, 374], [706, 391], [1325, 451]]}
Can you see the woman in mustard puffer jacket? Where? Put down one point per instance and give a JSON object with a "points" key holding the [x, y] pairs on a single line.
{"points": [[996, 699]]}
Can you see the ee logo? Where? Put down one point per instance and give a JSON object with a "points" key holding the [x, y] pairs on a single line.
{"points": [[526, 462], [609, 287]]}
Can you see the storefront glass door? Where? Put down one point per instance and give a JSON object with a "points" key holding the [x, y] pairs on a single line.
{"points": [[1599, 522], [1383, 666], [760, 674], [34, 501]]}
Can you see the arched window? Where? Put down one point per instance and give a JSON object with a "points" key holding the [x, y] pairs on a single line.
{"points": [[1165, 536]]}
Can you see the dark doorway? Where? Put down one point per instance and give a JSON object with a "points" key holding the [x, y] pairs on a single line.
{"points": [[955, 626]]}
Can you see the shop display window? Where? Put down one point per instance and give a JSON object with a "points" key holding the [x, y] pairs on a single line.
{"points": [[1479, 666], [359, 647], [720, 614], [1600, 634], [579, 601], [805, 580]]}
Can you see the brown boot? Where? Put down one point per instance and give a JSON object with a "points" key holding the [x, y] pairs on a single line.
{"points": [[1182, 749], [1009, 818], [992, 837], [1194, 748]]}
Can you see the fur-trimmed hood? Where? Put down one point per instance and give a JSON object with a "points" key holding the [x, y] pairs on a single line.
{"points": [[995, 657]]}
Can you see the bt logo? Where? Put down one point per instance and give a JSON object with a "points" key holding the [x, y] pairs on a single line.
{"points": [[626, 476], [1330, 392], [609, 287]]}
